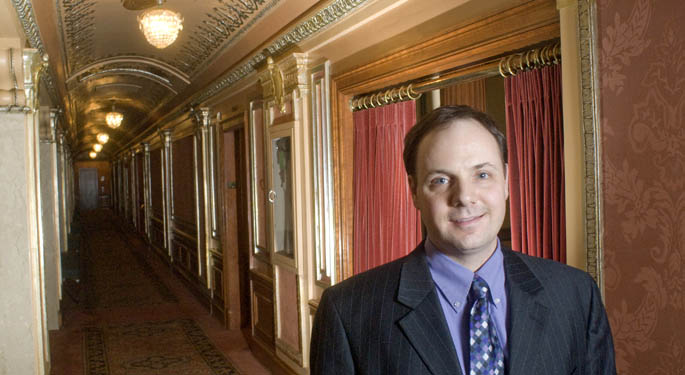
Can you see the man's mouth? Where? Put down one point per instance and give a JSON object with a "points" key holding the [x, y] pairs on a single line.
{"points": [[467, 220]]}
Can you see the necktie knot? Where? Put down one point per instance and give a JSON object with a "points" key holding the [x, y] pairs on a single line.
{"points": [[479, 288]]}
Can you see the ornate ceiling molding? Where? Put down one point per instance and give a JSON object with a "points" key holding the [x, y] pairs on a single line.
{"points": [[28, 22], [231, 19], [319, 21], [78, 25], [322, 19], [132, 60], [141, 73]]}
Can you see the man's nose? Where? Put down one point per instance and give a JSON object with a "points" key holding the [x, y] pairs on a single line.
{"points": [[462, 193]]}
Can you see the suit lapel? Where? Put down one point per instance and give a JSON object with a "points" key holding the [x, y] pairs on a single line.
{"points": [[527, 314], [425, 325]]}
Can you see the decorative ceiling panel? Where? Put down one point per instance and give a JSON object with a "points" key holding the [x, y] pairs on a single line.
{"points": [[218, 30], [100, 57]]}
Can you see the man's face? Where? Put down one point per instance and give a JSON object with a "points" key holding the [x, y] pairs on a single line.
{"points": [[460, 187]]}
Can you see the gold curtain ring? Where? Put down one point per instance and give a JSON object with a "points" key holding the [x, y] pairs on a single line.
{"points": [[409, 92], [511, 71], [501, 62]]}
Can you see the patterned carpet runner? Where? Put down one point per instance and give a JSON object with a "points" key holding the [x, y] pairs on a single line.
{"points": [[118, 278], [116, 274], [175, 347]]}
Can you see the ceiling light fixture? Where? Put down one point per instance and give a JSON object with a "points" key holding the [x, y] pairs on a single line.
{"points": [[114, 118], [103, 138], [160, 26], [93, 154], [97, 147]]}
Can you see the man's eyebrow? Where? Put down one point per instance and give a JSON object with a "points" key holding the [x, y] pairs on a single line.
{"points": [[483, 165]]}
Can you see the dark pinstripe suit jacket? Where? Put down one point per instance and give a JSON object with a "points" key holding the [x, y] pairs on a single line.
{"points": [[389, 321]]}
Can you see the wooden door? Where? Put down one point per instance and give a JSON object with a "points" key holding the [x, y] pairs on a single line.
{"points": [[88, 188], [236, 287]]}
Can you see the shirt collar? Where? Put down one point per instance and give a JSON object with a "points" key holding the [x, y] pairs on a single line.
{"points": [[454, 280]]}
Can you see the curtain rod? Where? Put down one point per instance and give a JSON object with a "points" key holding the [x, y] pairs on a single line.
{"points": [[508, 65], [531, 59]]}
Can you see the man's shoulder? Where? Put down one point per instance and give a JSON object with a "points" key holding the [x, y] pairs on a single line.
{"points": [[386, 277], [549, 269]]}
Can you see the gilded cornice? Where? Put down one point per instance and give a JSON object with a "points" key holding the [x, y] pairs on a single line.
{"points": [[305, 29], [294, 69], [28, 23]]}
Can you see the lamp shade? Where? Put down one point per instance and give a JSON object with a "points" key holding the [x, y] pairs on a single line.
{"points": [[93, 154], [97, 147]]}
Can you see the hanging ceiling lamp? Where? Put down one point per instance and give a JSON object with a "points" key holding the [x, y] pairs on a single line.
{"points": [[97, 147], [114, 118], [103, 138], [160, 26], [93, 154]]}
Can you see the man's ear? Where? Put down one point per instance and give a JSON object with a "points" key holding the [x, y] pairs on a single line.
{"points": [[412, 187], [506, 181]]}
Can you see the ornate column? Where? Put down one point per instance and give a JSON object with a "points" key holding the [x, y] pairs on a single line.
{"points": [[146, 189], [126, 186], [210, 232], [168, 204], [133, 186], [50, 199], [62, 177], [24, 346]]}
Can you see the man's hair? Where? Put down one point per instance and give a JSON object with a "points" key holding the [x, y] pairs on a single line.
{"points": [[441, 118]]}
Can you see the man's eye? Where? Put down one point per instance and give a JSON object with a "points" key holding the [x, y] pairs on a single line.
{"points": [[439, 181], [483, 175]]}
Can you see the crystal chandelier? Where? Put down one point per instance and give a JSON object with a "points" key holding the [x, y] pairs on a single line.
{"points": [[114, 118], [97, 147], [93, 154], [103, 138], [160, 26]]}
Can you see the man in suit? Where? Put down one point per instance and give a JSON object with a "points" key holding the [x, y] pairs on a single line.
{"points": [[461, 303]]}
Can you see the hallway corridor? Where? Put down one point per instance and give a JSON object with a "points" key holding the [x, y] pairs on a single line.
{"points": [[130, 315]]}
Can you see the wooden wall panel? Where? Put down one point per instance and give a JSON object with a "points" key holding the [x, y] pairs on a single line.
{"points": [[183, 183], [156, 191], [262, 309]]}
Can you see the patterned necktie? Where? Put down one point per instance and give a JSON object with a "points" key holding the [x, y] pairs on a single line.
{"points": [[486, 355]]}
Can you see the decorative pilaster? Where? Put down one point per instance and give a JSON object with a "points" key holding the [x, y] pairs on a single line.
{"points": [[22, 270], [199, 147], [210, 233], [63, 201], [146, 189], [50, 207], [133, 185], [168, 204]]}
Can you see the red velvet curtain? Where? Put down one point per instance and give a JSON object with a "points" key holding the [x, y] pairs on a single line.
{"points": [[536, 162], [386, 224]]}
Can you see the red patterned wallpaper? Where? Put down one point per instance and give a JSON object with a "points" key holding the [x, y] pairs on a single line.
{"points": [[642, 80]]}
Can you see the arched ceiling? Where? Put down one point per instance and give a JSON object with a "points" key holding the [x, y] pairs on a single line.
{"points": [[100, 57]]}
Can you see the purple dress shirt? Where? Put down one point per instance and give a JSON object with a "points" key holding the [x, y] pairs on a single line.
{"points": [[453, 282]]}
